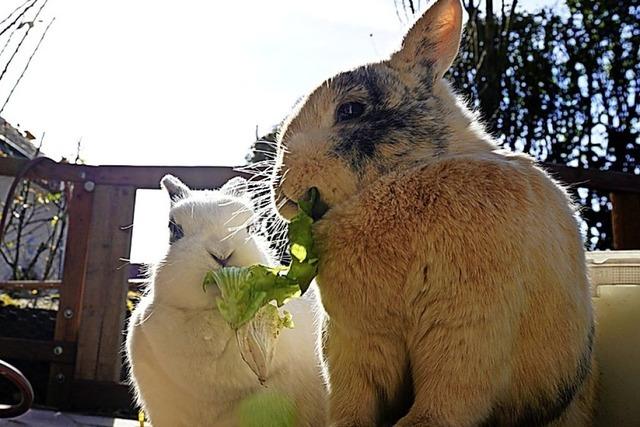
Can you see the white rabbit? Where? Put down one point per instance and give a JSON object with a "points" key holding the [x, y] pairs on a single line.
{"points": [[184, 359]]}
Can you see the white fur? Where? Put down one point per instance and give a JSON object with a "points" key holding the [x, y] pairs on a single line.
{"points": [[184, 359]]}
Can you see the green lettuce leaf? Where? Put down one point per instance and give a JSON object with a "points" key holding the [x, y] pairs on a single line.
{"points": [[245, 290]]}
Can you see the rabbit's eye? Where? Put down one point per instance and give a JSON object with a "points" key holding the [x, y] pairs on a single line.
{"points": [[348, 111], [176, 232]]}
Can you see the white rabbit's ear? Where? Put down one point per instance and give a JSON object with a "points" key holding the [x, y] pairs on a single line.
{"points": [[237, 187], [177, 189], [433, 40]]}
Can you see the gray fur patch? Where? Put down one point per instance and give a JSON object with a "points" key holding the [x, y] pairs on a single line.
{"points": [[394, 115], [546, 408]]}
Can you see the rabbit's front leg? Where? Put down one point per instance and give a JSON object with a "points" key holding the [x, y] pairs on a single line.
{"points": [[352, 399], [460, 363], [362, 369]]}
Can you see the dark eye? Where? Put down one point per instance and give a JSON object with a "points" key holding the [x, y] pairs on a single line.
{"points": [[348, 111], [176, 232]]}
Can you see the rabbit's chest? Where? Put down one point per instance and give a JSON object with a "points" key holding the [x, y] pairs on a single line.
{"points": [[364, 267], [197, 350], [183, 335]]}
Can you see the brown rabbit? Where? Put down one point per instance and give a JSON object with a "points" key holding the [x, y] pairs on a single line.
{"points": [[453, 274]]}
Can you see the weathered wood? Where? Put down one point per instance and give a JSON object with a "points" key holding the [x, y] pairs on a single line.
{"points": [[48, 351], [106, 285], [75, 263], [625, 220], [197, 177], [60, 385], [595, 179], [30, 284]]}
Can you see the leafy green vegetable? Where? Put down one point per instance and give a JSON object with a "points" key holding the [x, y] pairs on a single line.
{"points": [[245, 290], [238, 303], [267, 409], [257, 339]]}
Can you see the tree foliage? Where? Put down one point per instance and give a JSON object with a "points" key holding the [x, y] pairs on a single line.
{"points": [[33, 243], [561, 85]]}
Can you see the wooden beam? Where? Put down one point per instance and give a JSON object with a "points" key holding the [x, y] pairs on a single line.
{"points": [[197, 177], [625, 220], [30, 284], [75, 263], [73, 277], [38, 350], [595, 179], [106, 285]]}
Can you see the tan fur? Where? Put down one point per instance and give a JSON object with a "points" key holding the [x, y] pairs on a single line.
{"points": [[448, 268], [474, 306]]}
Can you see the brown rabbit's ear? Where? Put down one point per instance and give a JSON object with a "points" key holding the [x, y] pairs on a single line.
{"points": [[177, 189], [433, 40]]}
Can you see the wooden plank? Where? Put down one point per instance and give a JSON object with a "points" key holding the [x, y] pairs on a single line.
{"points": [[595, 179], [149, 177], [60, 385], [106, 285], [30, 284], [197, 177], [26, 349], [75, 263], [47, 169], [625, 220]]}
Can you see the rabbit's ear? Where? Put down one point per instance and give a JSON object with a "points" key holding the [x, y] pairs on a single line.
{"points": [[432, 41], [237, 187], [177, 189]]}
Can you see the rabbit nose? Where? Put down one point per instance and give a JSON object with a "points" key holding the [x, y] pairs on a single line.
{"points": [[222, 261]]}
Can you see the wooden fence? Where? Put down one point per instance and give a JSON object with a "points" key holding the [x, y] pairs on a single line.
{"points": [[84, 355]]}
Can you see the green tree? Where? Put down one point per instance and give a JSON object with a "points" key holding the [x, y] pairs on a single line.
{"points": [[562, 87]]}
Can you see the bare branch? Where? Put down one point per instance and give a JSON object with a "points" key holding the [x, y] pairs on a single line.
{"points": [[54, 250], [24, 70], [17, 17], [26, 33]]}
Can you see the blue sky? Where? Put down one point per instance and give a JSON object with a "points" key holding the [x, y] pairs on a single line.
{"points": [[184, 82]]}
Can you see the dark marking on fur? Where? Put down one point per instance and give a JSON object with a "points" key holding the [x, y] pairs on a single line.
{"points": [[394, 115], [546, 409], [364, 79], [175, 231], [426, 78]]}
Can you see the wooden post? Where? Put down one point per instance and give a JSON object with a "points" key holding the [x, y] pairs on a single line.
{"points": [[69, 312], [106, 285], [625, 220]]}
